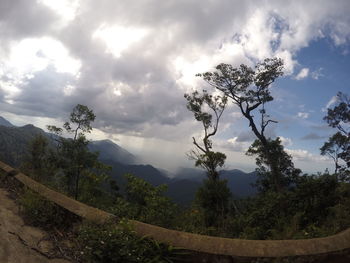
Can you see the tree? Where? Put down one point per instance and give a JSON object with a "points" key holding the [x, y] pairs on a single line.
{"points": [[334, 147], [36, 163], [280, 159], [148, 202], [338, 145], [73, 155], [204, 156], [82, 117], [339, 116], [249, 89], [213, 196]]}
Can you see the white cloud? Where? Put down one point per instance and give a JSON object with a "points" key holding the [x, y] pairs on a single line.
{"points": [[303, 115], [317, 74], [303, 73], [308, 162], [332, 101], [118, 38], [32, 55], [233, 144], [286, 141], [304, 155]]}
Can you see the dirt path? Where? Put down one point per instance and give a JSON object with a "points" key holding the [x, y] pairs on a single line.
{"points": [[20, 243]]}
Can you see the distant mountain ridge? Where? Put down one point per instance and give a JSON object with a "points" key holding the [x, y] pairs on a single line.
{"points": [[239, 182], [181, 188], [14, 142], [6, 123], [109, 150]]}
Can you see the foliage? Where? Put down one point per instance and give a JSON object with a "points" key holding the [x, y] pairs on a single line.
{"points": [[213, 197], [38, 211], [273, 155], [248, 88], [338, 145], [146, 203], [74, 159], [339, 116], [208, 110], [335, 147], [309, 209], [39, 162], [339, 214], [118, 243]]}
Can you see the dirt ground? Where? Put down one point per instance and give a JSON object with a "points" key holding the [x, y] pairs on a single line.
{"points": [[20, 243]]}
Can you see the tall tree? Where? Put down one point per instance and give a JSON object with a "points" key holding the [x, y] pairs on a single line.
{"points": [[249, 89], [214, 195], [338, 145], [73, 155], [203, 155], [335, 147], [339, 116]]}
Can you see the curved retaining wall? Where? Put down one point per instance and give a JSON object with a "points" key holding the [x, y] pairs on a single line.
{"points": [[199, 243]]}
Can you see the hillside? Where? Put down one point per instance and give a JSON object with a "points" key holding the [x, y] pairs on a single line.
{"points": [[14, 142], [4, 122], [108, 150]]}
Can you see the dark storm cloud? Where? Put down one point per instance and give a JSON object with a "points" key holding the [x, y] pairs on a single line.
{"points": [[23, 18], [43, 95]]}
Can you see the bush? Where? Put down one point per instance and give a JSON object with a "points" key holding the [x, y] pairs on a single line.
{"points": [[147, 203], [214, 197], [41, 212], [118, 243]]}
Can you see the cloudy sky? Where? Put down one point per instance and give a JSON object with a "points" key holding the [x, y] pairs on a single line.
{"points": [[131, 61]]}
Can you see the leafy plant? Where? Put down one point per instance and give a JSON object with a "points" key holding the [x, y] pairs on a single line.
{"points": [[41, 212], [148, 203], [118, 243]]}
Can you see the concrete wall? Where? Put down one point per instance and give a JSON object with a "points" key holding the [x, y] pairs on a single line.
{"points": [[239, 248]]}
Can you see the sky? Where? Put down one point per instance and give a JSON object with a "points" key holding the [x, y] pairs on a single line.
{"points": [[132, 61]]}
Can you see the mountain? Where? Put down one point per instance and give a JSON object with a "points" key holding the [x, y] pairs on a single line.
{"points": [[146, 172], [182, 185], [183, 191], [192, 174], [123, 162], [108, 150], [239, 182], [14, 142], [6, 123]]}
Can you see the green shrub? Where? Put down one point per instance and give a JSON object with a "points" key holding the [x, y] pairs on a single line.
{"points": [[147, 203], [118, 243], [38, 211]]}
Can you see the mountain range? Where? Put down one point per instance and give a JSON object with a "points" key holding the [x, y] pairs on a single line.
{"points": [[4, 122], [182, 186]]}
